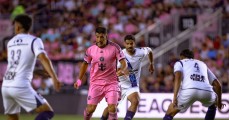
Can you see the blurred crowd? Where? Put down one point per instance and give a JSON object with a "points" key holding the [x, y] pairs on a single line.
{"points": [[67, 29]]}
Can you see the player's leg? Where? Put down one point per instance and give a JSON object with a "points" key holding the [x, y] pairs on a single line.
{"points": [[11, 107], [184, 100], [112, 109], [28, 99], [105, 114], [89, 111], [171, 112], [45, 112], [210, 115], [95, 95], [112, 95], [208, 99], [134, 100], [42, 107]]}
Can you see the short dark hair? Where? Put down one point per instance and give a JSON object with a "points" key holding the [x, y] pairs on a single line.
{"points": [[129, 37], [102, 30], [187, 53], [24, 20]]}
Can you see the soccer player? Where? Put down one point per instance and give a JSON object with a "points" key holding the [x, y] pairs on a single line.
{"points": [[194, 82], [130, 85], [17, 92], [103, 58]]}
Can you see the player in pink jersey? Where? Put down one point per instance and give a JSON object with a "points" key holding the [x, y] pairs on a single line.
{"points": [[103, 58]]}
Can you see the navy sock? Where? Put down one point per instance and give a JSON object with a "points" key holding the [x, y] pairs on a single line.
{"points": [[168, 117], [104, 118], [129, 115], [46, 115], [210, 115]]}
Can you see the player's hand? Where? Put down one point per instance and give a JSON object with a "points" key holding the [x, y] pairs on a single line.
{"points": [[120, 73], [151, 68], [77, 84], [220, 105], [57, 85]]}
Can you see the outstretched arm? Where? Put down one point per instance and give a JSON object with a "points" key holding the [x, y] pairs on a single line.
{"points": [[83, 70], [45, 61]]}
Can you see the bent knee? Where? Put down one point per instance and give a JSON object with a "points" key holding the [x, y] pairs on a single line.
{"points": [[172, 110], [91, 108], [134, 102], [44, 107], [112, 108]]}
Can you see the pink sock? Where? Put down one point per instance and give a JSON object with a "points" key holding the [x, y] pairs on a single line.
{"points": [[87, 116], [113, 116]]}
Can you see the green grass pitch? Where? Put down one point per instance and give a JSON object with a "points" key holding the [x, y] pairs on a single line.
{"points": [[77, 117]]}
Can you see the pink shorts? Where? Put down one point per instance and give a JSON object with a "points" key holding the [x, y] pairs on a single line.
{"points": [[98, 92]]}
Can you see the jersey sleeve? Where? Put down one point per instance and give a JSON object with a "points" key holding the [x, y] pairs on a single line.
{"points": [[87, 56], [211, 76], [177, 67], [118, 65], [119, 53], [38, 47], [146, 50]]}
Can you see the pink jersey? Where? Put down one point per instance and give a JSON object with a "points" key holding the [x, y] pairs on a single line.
{"points": [[103, 63]]}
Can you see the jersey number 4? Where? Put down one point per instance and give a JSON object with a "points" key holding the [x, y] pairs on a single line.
{"points": [[197, 67]]}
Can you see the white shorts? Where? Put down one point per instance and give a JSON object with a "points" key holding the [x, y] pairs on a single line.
{"points": [[15, 98], [188, 96], [125, 92]]}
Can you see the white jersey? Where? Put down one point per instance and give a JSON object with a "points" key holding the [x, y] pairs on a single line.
{"points": [[196, 74], [22, 51], [134, 65]]}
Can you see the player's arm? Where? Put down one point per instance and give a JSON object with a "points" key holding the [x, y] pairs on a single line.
{"points": [[83, 68], [82, 71], [150, 56], [216, 87], [177, 83], [123, 69], [45, 61], [218, 90]]}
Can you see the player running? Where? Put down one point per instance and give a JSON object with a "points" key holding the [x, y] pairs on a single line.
{"points": [[103, 57], [130, 85]]}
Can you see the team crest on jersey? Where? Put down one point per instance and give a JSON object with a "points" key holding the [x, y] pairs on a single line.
{"points": [[101, 66], [18, 41], [101, 59], [89, 97]]}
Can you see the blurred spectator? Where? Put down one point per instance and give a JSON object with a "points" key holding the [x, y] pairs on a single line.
{"points": [[19, 9], [42, 82], [44, 88]]}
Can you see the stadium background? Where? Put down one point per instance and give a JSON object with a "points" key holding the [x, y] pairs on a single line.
{"points": [[167, 26]]}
